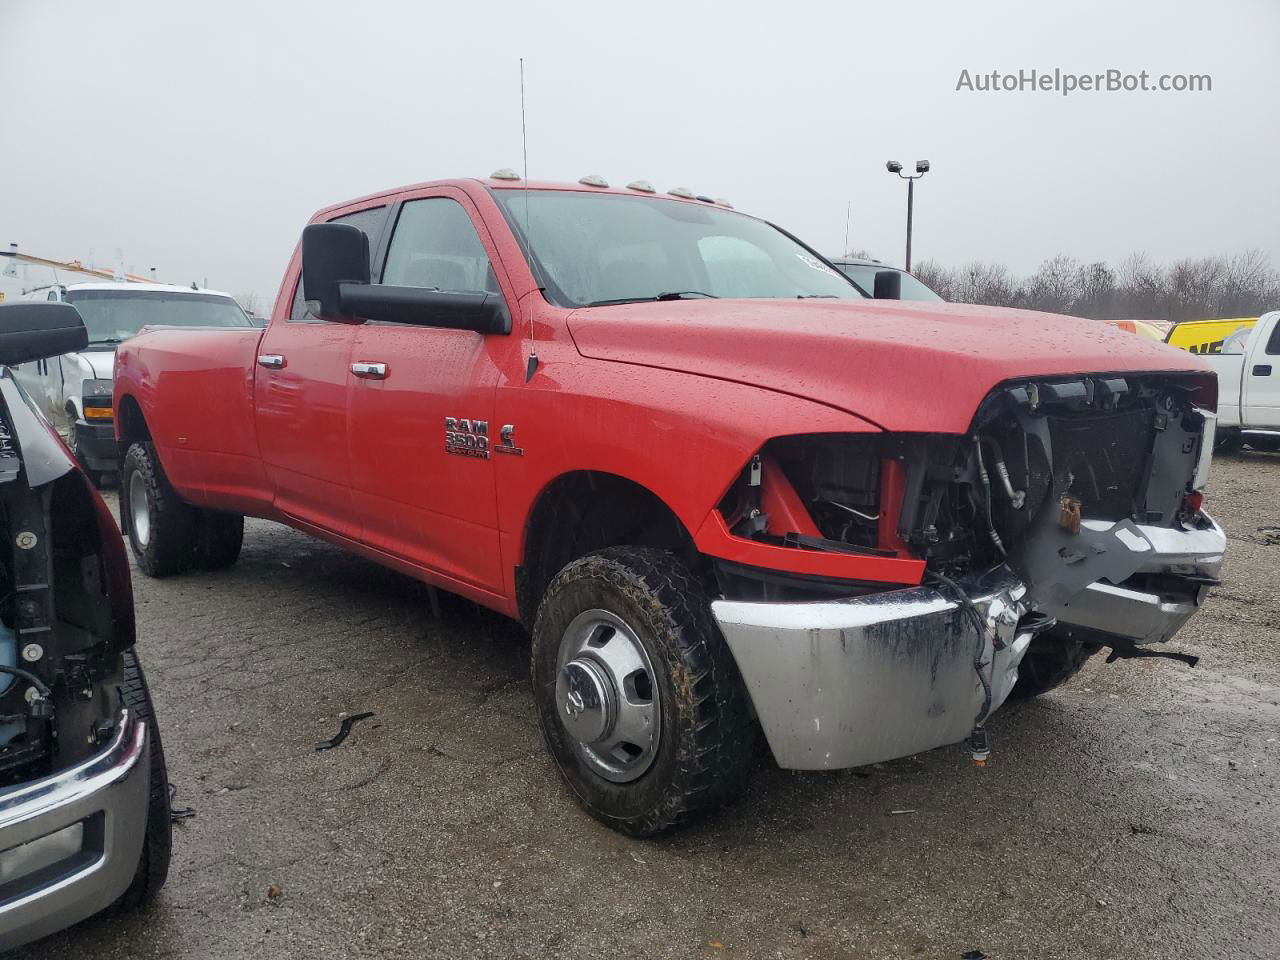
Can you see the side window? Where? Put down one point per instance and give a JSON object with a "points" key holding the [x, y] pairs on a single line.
{"points": [[371, 222], [1273, 342], [435, 245]]}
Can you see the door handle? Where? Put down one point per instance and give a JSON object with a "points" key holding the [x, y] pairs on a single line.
{"points": [[369, 370], [1262, 370], [272, 361]]}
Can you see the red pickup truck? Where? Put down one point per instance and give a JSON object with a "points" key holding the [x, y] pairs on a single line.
{"points": [[725, 491]]}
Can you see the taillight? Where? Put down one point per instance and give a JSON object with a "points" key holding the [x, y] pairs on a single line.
{"points": [[1192, 502]]}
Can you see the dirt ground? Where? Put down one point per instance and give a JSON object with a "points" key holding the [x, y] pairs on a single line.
{"points": [[1134, 813]]}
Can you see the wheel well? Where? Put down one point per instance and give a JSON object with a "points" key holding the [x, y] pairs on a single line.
{"points": [[581, 512], [133, 426]]}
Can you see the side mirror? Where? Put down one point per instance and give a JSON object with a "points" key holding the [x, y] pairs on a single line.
{"points": [[333, 254], [35, 331], [888, 285], [335, 271]]}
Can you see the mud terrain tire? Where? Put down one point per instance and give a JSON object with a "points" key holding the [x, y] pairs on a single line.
{"points": [[157, 845], [1050, 661], [162, 533], [707, 735]]}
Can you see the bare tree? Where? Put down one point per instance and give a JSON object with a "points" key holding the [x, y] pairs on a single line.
{"points": [[1056, 285], [938, 279], [249, 303], [989, 283], [1137, 288]]}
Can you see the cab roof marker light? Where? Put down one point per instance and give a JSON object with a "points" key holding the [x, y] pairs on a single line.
{"points": [[594, 180], [722, 202], [683, 192], [641, 186], [504, 173]]}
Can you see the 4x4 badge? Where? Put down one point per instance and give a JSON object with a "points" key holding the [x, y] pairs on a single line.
{"points": [[507, 442]]}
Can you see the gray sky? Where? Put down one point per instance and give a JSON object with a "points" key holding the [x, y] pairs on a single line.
{"points": [[198, 137]]}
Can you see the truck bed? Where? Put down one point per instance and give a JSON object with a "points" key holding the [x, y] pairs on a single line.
{"points": [[204, 429]]}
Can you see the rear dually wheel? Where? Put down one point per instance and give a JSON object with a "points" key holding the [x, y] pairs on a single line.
{"points": [[167, 535]]}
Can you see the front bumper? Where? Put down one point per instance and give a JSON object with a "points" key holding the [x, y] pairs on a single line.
{"points": [[855, 681], [70, 843], [849, 682], [1187, 561], [96, 445]]}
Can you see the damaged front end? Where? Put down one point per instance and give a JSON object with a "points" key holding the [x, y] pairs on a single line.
{"points": [[75, 775], [1069, 513]]}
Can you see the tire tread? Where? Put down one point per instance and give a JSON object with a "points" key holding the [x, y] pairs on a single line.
{"points": [[717, 762]]}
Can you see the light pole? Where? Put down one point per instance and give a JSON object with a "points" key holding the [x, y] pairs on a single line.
{"points": [[922, 167]]}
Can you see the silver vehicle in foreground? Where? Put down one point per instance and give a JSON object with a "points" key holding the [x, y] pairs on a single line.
{"points": [[84, 797]]}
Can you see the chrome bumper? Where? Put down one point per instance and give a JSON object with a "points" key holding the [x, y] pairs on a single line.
{"points": [[70, 843], [848, 682], [1125, 608]]}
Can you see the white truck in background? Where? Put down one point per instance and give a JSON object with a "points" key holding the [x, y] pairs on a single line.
{"points": [[1248, 370]]}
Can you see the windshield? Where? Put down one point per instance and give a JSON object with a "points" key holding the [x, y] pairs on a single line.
{"points": [[115, 315], [864, 275], [600, 248]]}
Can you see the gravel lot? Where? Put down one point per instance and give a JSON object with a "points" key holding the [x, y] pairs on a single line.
{"points": [[1133, 813]]}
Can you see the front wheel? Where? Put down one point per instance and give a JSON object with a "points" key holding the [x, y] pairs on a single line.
{"points": [[157, 843], [1053, 658], [639, 699]]}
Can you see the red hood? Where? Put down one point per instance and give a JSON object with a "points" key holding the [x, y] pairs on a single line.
{"points": [[905, 366]]}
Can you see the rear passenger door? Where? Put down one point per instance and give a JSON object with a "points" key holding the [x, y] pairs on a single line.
{"points": [[301, 393], [418, 501]]}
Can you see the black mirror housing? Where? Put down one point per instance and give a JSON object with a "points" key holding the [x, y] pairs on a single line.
{"points": [[888, 285], [335, 272], [333, 254], [38, 330], [427, 307]]}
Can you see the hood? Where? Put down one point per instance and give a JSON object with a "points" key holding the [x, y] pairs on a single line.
{"points": [[906, 366], [98, 364]]}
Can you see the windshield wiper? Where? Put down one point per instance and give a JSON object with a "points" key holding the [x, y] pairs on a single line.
{"points": [[676, 295], [816, 296], [107, 340]]}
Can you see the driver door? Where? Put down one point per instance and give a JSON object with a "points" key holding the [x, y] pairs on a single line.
{"points": [[422, 496]]}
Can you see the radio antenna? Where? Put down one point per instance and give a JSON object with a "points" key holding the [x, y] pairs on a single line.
{"points": [[528, 235], [848, 211]]}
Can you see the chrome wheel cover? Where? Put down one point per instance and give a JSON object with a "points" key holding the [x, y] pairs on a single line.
{"points": [[607, 696], [139, 510]]}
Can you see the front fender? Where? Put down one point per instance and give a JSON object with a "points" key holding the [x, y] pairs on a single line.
{"points": [[44, 455], [683, 437]]}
